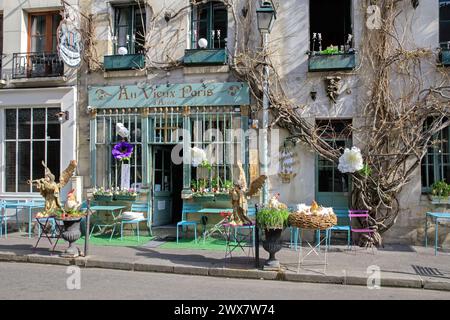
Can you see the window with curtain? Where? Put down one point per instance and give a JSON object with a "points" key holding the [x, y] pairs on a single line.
{"points": [[43, 31], [209, 21], [129, 31], [32, 135], [436, 163]]}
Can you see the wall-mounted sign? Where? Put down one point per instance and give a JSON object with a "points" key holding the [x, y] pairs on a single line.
{"points": [[188, 94], [70, 44]]}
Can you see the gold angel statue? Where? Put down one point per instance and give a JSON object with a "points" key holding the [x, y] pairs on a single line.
{"points": [[239, 196], [50, 189]]}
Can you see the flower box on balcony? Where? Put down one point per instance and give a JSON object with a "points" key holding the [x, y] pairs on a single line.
{"points": [[445, 57], [125, 62], [331, 62], [205, 57], [123, 197], [99, 197]]}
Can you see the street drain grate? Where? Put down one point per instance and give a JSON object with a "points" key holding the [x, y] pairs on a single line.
{"points": [[427, 271]]}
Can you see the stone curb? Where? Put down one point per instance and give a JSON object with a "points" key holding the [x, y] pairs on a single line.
{"points": [[98, 262]]}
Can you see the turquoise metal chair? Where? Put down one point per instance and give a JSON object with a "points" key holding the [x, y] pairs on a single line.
{"points": [[137, 207], [184, 223], [3, 219], [6, 217], [343, 225]]}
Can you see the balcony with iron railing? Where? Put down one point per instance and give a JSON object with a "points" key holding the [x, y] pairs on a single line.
{"points": [[37, 65]]}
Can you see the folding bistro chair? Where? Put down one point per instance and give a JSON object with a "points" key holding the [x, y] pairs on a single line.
{"points": [[363, 217]]}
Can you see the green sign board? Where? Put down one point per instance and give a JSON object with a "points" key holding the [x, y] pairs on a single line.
{"points": [[171, 95]]}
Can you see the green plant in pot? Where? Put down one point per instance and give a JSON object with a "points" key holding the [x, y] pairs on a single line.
{"points": [[273, 219], [440, 191]]}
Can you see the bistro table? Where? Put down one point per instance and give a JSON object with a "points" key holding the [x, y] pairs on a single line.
{"points": [[218, 227], [436, 216], [111, 210], [23, 205]]}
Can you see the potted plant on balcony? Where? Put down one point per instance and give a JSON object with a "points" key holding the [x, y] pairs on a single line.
{"points": [[102, 194], [273, 219], [440, 191], [200, 190]]}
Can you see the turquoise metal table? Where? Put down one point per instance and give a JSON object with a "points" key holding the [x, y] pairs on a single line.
{"points": [[24, 205], [436, 216], [111, 210]]}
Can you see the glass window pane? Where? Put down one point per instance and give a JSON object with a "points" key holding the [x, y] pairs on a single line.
{"points": [[23, 155], [56, 19], [123, 27], [220, 24], [39, 123], [10, 167], [325, 180], [53, 158], [139, 30], [24, 123], [53, 125], [10, 122], [38, 157], [38, 36]]}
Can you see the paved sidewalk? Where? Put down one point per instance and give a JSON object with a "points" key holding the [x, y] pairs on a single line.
{"points": [[400, 266]]}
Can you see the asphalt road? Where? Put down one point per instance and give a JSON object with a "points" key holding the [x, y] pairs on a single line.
{"points": [[34, 281]]}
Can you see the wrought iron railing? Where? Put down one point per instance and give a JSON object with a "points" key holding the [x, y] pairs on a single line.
{"points": [[37, 64]]}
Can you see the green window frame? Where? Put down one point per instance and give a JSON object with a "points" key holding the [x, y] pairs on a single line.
{"points": [[435, 165], [129, 28], [332, 186], [107, 169], [444, 24], [209, 21]]}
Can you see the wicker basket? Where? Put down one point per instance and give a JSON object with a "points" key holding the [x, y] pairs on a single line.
{"points": [[317, 222]]}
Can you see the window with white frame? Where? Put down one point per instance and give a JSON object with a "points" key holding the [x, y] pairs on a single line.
{"points": [[32, 135]]}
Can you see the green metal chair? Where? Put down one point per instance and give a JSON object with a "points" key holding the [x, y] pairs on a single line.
{"points": [[136, 207]]}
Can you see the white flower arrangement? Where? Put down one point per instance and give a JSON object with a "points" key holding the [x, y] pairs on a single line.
{"points": [[197, 156], [351, 161]]}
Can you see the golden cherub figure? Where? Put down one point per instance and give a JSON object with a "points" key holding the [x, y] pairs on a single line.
{"points": [[50, 189], [239, 196]]}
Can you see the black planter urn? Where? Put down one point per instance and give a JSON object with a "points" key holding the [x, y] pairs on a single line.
{"points": [[272, 244], [71, 233]]}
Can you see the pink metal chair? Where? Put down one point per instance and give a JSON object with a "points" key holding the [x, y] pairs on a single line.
{"points": [[363, 217]]}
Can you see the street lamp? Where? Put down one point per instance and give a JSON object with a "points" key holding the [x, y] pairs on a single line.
{"points": [[266, 16]]}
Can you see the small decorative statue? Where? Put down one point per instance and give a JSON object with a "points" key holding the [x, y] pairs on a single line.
{"points": [[333, 88], [49, 188], [239, 196]]}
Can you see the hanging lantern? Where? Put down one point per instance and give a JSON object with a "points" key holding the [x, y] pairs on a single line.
{"points": [[287, 162]]}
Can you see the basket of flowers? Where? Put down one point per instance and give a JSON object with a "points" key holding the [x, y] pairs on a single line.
{"points": [[123, 194], [313, 217], [102, 194]]}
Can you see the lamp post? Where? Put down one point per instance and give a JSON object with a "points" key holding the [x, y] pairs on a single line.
{"points": [[266, 16]]}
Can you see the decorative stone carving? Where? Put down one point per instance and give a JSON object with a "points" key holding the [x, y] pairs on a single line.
{"points": [[333, 86]]}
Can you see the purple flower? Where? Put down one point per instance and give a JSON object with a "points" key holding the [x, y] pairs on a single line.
{"points": [[122, 151]]}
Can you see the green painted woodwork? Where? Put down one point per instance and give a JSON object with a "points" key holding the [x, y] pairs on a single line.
{"points": [[125, 62], [205, 57], [445, 57], [331, 62], [172, 95]]}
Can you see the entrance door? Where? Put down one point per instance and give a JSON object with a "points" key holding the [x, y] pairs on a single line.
{"points": [[167, 186]]}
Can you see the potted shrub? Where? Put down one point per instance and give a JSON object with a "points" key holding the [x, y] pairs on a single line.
{"points": [[71, 232], [102, 194], [125, 194], [273, 219], [440, 191]]}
